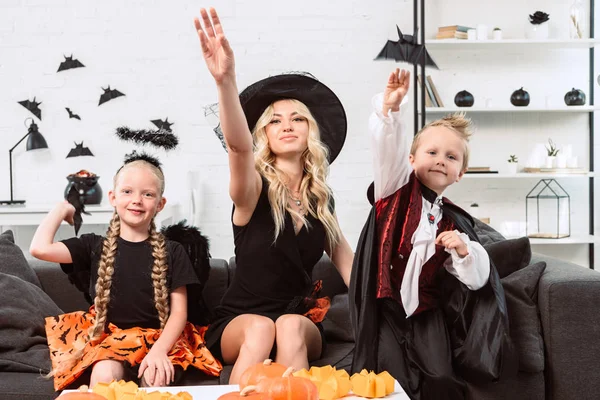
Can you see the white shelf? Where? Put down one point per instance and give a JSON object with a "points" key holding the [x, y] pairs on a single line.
{"points": [[573, 239], [527, 175], [511, 109], [513, 44]]}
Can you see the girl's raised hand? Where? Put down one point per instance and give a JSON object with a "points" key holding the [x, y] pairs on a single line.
{"points": [[68, 210], [215, 47]]}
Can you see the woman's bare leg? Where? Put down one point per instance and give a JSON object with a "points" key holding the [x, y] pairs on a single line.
{"points": [[298, 341], [247, 340]]}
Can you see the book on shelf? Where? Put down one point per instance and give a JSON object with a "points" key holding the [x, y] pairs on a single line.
{"points": [[479, 169], [430, 93], [454, 28], [428, 102], [451, 35], [436, 95]]}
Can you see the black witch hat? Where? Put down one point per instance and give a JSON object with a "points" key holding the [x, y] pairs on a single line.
{"points": [[323, 104]]}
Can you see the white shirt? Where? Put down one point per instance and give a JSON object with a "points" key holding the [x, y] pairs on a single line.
{"points": [[391, 148]]}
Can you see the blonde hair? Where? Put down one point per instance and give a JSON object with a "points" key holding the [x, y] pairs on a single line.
{"points": [[106, 269], [457, 123], [314, 191]]}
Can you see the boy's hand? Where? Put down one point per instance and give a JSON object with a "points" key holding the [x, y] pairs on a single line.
{"points": [[451, 240], [395, 90]]}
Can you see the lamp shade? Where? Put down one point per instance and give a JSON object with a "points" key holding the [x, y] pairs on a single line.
{"points": [[35, 140]]}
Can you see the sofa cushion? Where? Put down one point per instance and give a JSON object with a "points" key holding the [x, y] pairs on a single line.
{"points": [[486, 233], [509, 255], [23, 345], [13, 262], [337, 325], [333, 284], [521, 291]]}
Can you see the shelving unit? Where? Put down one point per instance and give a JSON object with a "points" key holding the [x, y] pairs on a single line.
{"points": [[520, 48]]}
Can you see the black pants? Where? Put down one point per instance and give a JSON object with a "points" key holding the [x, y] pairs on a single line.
{"points": [[416, 352]]}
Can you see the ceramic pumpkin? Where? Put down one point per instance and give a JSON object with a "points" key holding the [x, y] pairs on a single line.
{"points": [[258, 372], [82, 394], [248, 393], [331, 383], [369, 384], [288, 387]]}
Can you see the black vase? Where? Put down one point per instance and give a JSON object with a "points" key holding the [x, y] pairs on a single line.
{"points": [[88, 188]]}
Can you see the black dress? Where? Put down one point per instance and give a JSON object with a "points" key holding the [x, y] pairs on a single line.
{"points": [[269, 276]]}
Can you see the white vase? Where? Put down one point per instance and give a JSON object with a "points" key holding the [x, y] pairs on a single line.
{"points": [[497, 34], [550, 161], [512, 168], [537, 31]]}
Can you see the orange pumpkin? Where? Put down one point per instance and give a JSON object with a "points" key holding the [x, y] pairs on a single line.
{"points": [[331, 383], [248, 393], [258, 372], [369, 384], [82, 394], [288, 387]]}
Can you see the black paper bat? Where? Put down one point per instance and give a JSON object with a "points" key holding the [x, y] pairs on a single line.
{"points": [[69, 63], [160, 124], [33, 107], [72, 114], [79, 150], [74, 198], [109, 94], [406, 49], [160, 138]]}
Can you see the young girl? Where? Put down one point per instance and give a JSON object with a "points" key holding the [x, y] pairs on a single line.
{"points": [[283, 216], [138, 282]]}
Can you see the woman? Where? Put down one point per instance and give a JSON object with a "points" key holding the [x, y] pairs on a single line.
{"points": [[283, 215]]}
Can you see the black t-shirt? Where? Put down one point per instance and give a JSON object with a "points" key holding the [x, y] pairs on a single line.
{"points": [[132, 293]]}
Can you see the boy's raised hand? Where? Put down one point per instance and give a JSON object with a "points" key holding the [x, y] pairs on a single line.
{"points": [[215, 46], [395, 90], [451, 240]]}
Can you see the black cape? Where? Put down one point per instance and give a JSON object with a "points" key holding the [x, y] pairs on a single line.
{"points": [[477, 321]]}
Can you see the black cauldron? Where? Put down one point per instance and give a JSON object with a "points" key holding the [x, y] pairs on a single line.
{"points": [[87, 186]]}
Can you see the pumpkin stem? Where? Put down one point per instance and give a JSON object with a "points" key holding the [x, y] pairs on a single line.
{"points": [[288, 372], [268, 361], [247, 390], [83, 388]]}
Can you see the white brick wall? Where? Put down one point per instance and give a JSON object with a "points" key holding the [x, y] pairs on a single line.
{"points": [[149, 51]]}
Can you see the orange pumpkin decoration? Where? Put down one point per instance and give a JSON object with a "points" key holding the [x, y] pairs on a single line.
{"points": [[288, 387], [331, 383], [82, 394], [258, 372], [369, 384], [248, 393]]}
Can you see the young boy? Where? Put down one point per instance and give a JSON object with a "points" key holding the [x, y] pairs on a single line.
{"points": [[426, 302]]}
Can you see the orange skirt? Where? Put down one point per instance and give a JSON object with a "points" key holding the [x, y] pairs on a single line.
{"points": [[68, 332]]}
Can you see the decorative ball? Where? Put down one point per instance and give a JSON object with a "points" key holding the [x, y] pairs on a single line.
{"points": [[464, 99], [575, 97], [520, 98]]}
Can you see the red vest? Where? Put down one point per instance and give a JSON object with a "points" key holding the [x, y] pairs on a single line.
{"points": [[398, 217]]}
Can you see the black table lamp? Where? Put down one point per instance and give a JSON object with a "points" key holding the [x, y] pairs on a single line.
{"points": [[34, 142]]}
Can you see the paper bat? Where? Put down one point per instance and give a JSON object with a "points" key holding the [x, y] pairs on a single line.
{"points": [[33, 107], [74, 198], [69, 63], [160, 124], [72, 114], [160, 138], [406, 49], [79, 150], [109, 94]]}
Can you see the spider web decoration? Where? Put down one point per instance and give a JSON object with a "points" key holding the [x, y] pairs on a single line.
{"points": [[157, 138]]}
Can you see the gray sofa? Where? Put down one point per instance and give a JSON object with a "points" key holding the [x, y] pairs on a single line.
{"points": [[566, 311]]}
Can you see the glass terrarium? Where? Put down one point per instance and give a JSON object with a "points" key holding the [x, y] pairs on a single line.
{"points": [[548, 211]]}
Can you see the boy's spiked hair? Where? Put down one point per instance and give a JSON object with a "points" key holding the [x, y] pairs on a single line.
{"points": [[457, 122]]}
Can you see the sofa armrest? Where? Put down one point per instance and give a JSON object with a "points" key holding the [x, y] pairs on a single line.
{"points": [[56, 285], [569, 300]]}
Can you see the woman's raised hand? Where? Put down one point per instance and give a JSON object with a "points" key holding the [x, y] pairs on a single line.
{"points": [[215, 47]]}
